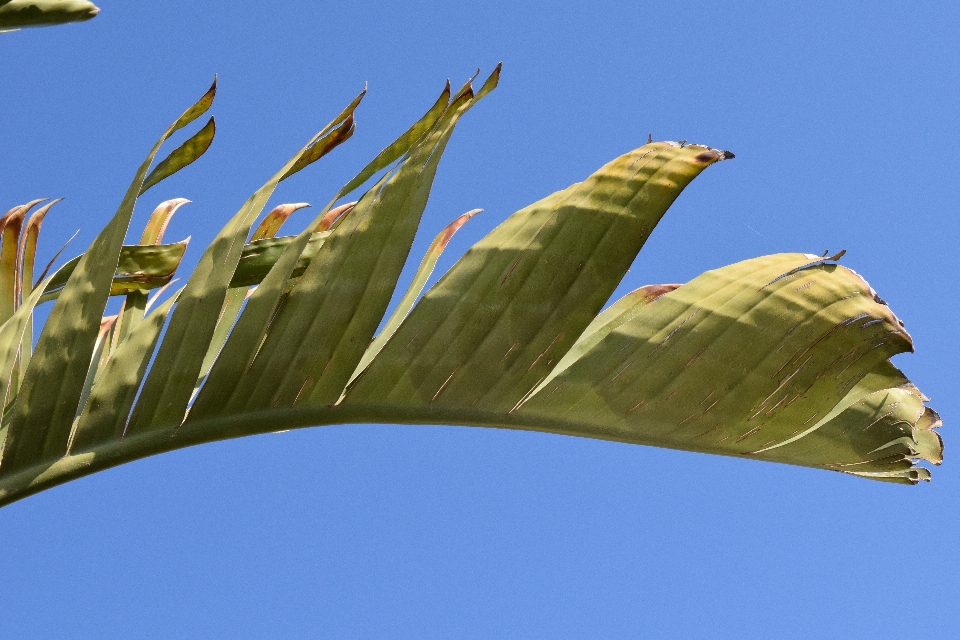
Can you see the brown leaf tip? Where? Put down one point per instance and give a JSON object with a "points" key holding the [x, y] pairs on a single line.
{"points": [[714, 155]]}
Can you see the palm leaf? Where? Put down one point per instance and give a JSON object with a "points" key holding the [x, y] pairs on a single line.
{"points": [[784, 358]]}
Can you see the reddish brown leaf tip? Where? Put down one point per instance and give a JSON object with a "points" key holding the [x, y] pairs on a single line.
{"points": [[714, 155], [447, 234], [333, 215], [837, 256]]}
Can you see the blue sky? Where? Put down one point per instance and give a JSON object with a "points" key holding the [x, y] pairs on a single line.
{"points": [[843, 119]]}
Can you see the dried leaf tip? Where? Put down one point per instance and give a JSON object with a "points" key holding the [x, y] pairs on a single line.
{"points": [[708, 155], [714, 155], [837, 256], [212, 91], [333, 215]]}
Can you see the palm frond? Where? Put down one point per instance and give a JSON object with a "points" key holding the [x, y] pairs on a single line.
{"points": [[783, 358]]}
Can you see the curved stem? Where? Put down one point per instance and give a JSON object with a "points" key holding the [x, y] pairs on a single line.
{"points": [[77, 464]]}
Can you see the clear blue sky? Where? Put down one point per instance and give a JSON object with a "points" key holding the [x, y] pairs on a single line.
{"points": [[844, 119]]}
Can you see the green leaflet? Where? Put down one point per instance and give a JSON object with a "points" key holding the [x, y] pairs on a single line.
{"points": [[678, 375], [11, 337], [139, 268], [183, 155], [401, 145], [131, 314], [233, 302], [492, 328], [104, 415], [887, 439], [170, 382], [882, 377], [259, 257], [101, 350], [413, 291], [622, 311], [38, 13], [47, 401], [877, 404], [324, 145]]}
